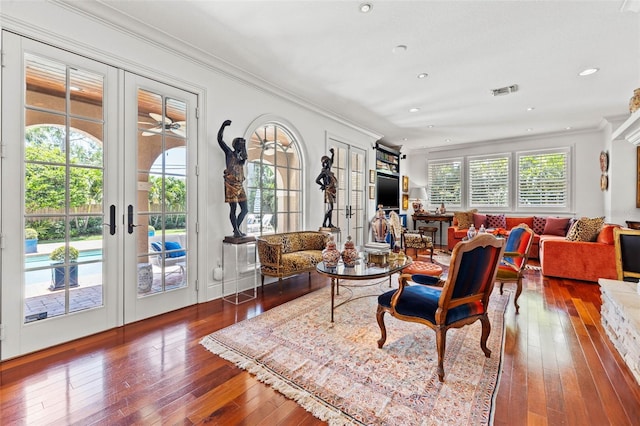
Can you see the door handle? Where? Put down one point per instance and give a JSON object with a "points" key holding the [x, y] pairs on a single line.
{"points": [[112, 220], [130, 224]]}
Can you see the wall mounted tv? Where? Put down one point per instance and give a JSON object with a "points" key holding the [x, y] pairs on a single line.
{"points": [[388, 191]]}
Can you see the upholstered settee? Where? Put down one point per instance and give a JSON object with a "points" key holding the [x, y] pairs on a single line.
{"points": [[579, 260], [290, 253]]}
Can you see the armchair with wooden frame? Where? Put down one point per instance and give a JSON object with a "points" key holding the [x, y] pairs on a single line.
{"points": [[627, 245], [462, 300], [516, 254]]}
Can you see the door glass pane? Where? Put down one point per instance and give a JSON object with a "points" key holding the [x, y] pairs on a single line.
{"points": [[63, 175], [162, 194], [86, 94]]}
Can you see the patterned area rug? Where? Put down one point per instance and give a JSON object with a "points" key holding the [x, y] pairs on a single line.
{"points": [[336, 371]]}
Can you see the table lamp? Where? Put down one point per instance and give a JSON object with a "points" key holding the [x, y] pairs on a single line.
{"points": [[418, 194]]}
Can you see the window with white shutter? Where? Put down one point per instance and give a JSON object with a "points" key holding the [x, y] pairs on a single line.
{"points": [[488, 181], [445, 183], [543, 179]]}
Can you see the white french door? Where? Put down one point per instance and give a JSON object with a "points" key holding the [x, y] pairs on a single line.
{"points": [[159, 197], [79, 173], [349, 167]]}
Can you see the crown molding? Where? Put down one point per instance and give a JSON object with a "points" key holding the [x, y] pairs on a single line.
{"points": [[103, 14]]}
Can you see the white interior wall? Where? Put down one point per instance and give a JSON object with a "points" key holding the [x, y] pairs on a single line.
{"points": [[222, 96]]}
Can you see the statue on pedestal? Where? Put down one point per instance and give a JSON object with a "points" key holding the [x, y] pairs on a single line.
{"points": [[234, 193], [328, 183]]}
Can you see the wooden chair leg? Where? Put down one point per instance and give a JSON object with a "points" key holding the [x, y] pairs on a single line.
{"points": [[486, 330], [309, 279], [441, 337], [280, 284], [383, 330], [518, 292]]}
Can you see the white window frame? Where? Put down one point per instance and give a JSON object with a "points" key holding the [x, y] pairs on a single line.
{"points": [[566, 207], [506, 186], [434, 202]]}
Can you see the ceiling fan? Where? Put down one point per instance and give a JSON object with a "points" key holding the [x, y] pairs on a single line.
{"points": [[177, 127]]}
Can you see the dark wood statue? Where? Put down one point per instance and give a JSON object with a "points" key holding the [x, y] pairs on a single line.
{"points": [[234, 193], [328, 183]]}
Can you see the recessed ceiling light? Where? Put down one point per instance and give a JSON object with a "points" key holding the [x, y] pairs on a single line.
{"points": [[568, 128], [404, 139], [365, 7], [529, 129], [430, 126], [414, 109], [588, 71], [401, 48], [423, 75], [531, 108], [447, 140]]}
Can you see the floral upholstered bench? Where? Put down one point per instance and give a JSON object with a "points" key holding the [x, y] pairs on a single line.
{"points": [[290, 253]]}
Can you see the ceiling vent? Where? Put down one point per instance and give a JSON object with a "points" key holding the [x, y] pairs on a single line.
{"points": [[505, 90]]}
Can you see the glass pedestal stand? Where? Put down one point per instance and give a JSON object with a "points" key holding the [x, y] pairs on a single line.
{"points": [[239, 266]]}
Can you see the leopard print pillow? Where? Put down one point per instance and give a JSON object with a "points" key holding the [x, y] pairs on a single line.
{"points": [[465, 219], [586, 229]]}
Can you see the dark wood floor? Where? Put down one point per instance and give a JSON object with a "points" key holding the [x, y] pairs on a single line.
{"points": [[559, 368]]}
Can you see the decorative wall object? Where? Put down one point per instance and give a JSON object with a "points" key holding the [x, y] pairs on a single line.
{"points": [[604, 167], [372, 192], [405, 201], [405, 183], [634, 102], [372, 176]]}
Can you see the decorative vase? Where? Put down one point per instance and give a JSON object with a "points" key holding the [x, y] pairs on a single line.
{"points": [[634, 102], [380, 226], [349, 254], [331, 255], [471, 232]]}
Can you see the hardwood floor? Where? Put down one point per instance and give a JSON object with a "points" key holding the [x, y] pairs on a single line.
{"points": [[558, 368]]}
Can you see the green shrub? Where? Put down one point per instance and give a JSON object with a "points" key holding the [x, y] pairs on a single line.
{"points": [[57, 255], [30, 234]]}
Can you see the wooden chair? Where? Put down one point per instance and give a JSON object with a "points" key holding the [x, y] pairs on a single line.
{"points": [[516, 255], [627, 245], [463, 299]]}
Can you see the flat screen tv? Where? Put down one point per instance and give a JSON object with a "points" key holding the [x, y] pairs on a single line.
{"points": [[388, 191]]}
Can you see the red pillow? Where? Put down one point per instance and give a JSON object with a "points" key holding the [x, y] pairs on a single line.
{"points": [[606, 234], [556, 226], [479, 219]]}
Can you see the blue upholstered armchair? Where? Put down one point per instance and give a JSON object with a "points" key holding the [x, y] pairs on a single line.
{"points": [[516, 254], [462, 300]]}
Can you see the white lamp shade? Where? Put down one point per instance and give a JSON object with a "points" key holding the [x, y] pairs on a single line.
{"points": [[418, 193]]}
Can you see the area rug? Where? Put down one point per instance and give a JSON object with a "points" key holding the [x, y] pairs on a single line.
{"points": [[336, 371]]}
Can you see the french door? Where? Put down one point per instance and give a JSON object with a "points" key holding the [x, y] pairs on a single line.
{"points": [[349, 167], [73, 180]]}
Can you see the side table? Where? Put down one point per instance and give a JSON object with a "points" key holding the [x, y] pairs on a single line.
{"points": [[239, 266]]}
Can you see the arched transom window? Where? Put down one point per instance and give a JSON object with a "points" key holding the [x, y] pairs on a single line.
{"points": [[274, 181]]}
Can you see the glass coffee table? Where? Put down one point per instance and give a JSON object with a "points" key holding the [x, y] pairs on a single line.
{"points": [[362, 271]]}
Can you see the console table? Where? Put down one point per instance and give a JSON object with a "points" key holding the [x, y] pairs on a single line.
{"points": [[428, 217]]}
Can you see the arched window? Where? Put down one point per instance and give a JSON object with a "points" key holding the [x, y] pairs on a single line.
{"points": [[274, 181]]}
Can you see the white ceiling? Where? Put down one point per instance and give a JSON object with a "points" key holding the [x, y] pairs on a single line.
{"points": [[341, 60]]}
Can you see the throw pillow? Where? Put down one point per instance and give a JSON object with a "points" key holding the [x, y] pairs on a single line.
{"points": [[556, 226], [156, 246], [172, 245], [479, 220], [538, 224], [465, 219], [606, 234], [585, 229], [572, 222], [496, 221]]}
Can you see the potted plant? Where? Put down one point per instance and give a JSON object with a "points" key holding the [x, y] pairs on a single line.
{"points": [[30, 240], [58, 256]]}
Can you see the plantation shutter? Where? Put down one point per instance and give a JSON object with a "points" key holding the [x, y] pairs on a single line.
{"points": [[444, 183], [543, 179], [488, 179]]}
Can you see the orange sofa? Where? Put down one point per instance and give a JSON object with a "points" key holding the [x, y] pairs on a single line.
{"points": [[578, 260], [455, 234]]}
